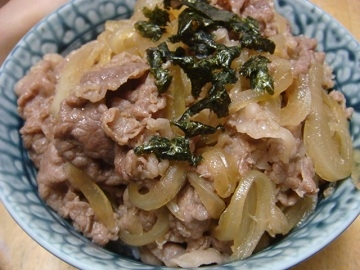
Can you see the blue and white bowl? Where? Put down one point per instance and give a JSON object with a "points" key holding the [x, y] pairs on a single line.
{"points": [[80, 21]]}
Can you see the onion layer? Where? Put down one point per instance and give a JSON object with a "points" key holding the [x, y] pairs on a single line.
{"points": [[283, 77], [212, 202], [159, 229], [250, 213], [298, 105], [197, 258], [162, 192], [92, 192], [223, 169], [296, 213], [76, 64], [331, 150]]}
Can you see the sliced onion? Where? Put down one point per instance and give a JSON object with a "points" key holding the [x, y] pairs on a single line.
{"points": [[298, 105], [75, 65], [283, 79], [223, 169], [331, 163], [121, 36], [162, 192], [175, 210], [231, 218], [355, 175], [212, 202], [296, 213], [92, 192], [280, 45], [258, 216], [251, 212], [176, 95], [242, 99], [282, 75], [197, 258], [158, 230], [278, 223], [282, 23]]}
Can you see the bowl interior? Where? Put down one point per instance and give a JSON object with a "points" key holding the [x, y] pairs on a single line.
{"points": [[81, 21]]}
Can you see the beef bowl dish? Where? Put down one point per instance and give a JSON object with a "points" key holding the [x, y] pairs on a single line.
{"points": [[182, 134]]}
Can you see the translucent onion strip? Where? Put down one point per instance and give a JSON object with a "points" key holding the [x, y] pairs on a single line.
{"points": [[282, 74], [250, 213], [175, 210], [280, 45], [158, 230], [121, 36], [232, 217], [198, 258], [332, 159], [282, 23], [298, 103], [283, 79], [92, 192], [222, 167], [75, 65], [212, 202], [162, 192], [296, 213], [279, 223], [355, 175], [176, 95], [251, 228], [242, 99]]}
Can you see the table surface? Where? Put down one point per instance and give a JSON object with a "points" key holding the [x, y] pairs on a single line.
{"points": [[19, 251]]}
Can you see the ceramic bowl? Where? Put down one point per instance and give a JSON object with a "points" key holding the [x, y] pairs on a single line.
{"points": [[80, 21]]}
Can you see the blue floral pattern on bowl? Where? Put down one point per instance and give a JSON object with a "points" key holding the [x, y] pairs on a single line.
{"points": [[80, 21]]}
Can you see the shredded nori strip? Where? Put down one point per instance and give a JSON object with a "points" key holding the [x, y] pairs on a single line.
{"points": [[205, 62]]}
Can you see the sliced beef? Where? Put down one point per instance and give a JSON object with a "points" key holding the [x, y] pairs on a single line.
{"points": [[130, 112], [35, 93], [196, 218], [85, 221], [95, 83], [80, 139]]}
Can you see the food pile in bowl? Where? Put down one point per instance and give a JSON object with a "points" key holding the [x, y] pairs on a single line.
{"points": [[196, 133]]}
